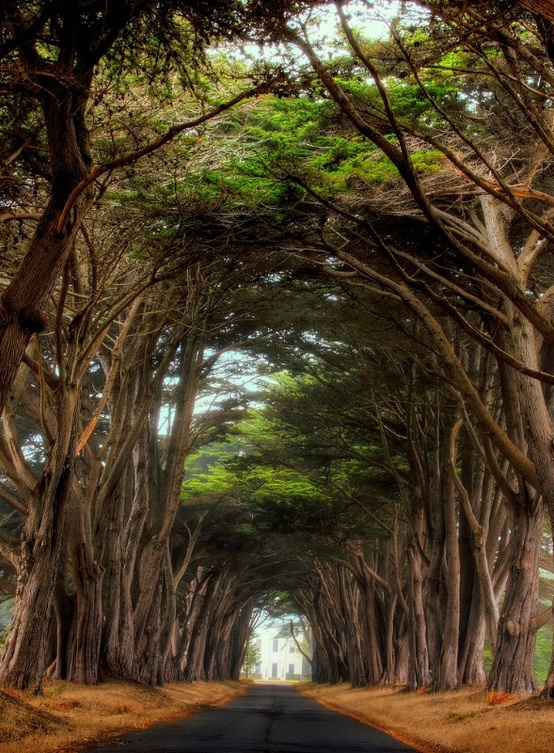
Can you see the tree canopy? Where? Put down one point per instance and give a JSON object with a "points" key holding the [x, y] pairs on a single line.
{"points": [[276, 319]]}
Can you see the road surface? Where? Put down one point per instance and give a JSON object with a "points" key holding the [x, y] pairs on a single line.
{"points": [[269, 718]]}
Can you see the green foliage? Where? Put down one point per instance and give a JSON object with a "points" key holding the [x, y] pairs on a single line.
{"points": [[252, 656], [6, 609], [280, 499], [207, 473], [543, 653], [303, 459]]}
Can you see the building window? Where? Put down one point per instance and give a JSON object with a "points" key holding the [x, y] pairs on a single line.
{"points": [[276, 644], [274, 670], [291, 669], [292, 647]]}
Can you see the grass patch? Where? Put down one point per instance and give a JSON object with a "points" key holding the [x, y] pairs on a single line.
{"points": [[68, 717], [458, 721]]}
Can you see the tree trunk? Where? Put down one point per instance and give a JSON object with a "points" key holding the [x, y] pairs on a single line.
{"points": [[470, 662], [26, 650], [419, 671], [447, 672], [198, 634], [22, 306], [167, 502], [150, 648], [84, 650], [25, 653], [239, 638], [117, 651], [512, 669], [187, 616]]}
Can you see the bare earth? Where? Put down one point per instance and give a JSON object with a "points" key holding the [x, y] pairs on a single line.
{"points": [[68, 717]]}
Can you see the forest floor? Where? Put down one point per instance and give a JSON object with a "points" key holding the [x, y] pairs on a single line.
{"points": [[68, 717]]}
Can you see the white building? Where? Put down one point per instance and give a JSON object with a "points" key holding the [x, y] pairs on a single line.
{"points": [[280, 658]]}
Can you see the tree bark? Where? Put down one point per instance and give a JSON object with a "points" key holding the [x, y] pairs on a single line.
{"points": [[25, 653], [23, 303], [512, 669]]}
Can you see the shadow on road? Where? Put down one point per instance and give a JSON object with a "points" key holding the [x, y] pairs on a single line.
{"points": [[269, 718]]}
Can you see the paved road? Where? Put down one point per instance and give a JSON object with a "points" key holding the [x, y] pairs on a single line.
{"points": [[269, 718]]}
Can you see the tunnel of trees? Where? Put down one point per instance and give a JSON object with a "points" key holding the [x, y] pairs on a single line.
{"points": [[276, 316]]}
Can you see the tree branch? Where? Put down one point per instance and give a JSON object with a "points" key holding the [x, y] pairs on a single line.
{"points": [[131, 157]]}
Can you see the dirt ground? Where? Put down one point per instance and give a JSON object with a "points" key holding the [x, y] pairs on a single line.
{"points": [[68, 717]]}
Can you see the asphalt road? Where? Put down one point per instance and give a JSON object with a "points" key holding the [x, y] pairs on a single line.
{"points": [[269, 718]]}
